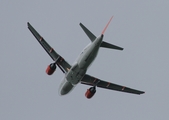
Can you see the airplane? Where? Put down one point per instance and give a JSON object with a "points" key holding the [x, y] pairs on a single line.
{"points": [[76, 73]]}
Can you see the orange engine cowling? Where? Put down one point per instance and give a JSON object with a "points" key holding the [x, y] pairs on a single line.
{"points": [[51, 69], [90, 92]]}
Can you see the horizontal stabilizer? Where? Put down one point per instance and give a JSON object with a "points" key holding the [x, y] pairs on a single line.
{"points": [[108, 45], [88, 33]]}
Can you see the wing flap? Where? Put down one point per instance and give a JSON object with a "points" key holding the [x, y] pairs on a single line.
{"points": [[89, 80]]}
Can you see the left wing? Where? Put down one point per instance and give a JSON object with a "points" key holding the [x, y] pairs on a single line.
{"points": [[89, 80], [63, 65]]}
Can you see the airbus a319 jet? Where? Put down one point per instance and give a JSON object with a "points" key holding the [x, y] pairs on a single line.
{"points": [[76, 73]]}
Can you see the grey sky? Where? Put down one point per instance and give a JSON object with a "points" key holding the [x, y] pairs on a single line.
{"points": [[140, 27]]}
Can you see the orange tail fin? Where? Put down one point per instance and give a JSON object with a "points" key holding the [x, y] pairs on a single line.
{"points": [[107, 25]]}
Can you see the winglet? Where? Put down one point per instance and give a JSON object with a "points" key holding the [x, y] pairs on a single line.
{"points": [[107, 25]]}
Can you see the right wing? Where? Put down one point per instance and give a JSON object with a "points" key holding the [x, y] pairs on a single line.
{"points": [[89, 80], [63, 65]]}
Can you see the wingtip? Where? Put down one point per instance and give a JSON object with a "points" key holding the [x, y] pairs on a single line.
{"points": [[80, 24], [28, 23], [142, 92]]}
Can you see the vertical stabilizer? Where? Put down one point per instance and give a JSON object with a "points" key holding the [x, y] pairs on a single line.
{"points": [[107, 26]]}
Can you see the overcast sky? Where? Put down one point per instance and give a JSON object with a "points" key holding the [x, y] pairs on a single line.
{"points": [[141, 27]]}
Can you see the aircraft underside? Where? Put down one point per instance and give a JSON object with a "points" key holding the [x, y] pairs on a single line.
{"points": [[77, 73]]}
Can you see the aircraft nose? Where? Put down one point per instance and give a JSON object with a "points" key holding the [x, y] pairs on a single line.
{"points": [[65, 87], [63, 92]]}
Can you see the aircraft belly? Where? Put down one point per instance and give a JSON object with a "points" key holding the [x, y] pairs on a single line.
{"points": [[78, 70], [86, 61], [89, 55], [75, 74]]}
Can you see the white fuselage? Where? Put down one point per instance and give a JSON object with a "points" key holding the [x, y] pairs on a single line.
{"points": [[78, 70]]}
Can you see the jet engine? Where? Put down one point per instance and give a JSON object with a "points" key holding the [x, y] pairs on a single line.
{"points": [[90, 92], [51, 69]]}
